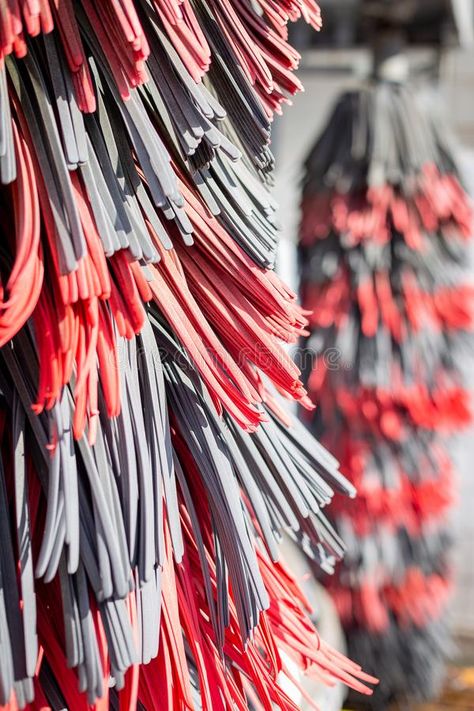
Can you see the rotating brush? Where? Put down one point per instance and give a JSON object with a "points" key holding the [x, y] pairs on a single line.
{"points": [[147, 469], [383, 245]]}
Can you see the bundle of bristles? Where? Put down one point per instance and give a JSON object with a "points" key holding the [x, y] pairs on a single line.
{"points": [[383, 245], [148, 467]]}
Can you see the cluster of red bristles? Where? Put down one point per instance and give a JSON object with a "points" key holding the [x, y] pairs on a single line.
{"points": [[229, 315], [437, 199], [164, 682], [267, 58]]}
